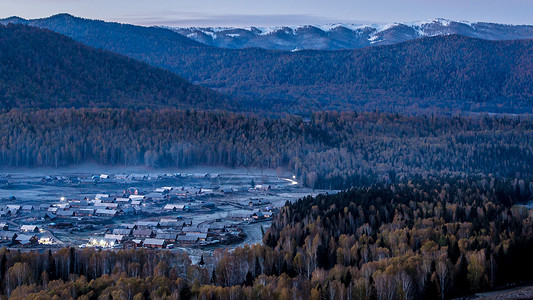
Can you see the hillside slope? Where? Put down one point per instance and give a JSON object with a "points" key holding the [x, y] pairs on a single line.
{"points": [[438, 73], [43, 69]]}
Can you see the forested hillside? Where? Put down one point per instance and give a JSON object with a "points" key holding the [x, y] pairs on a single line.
{"points": [[437, 74], [43, 69], [419, 239], [331, 150], [432, 239]]}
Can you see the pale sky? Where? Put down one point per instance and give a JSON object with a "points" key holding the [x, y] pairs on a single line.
{"points": [[273, 12]]}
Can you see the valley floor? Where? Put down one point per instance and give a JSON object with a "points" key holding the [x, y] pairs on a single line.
{"points": [[219, 205]]}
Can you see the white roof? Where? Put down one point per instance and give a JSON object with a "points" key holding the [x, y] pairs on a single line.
{"points": [[174, 206], [108, 205], [166, 236], [22, 237], [197, 235], [154, 242], [167, 220], [118, 237], [106, 211], [146, 223], [28, 227], [122, 231], [182, 238]]}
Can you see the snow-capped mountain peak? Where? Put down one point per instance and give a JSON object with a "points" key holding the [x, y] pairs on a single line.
{"points": [[348, 35]]}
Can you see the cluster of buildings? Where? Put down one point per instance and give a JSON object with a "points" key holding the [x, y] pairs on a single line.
{"points": [[167, 233], [122, 177], [116, 219], [24, 235], [108, 205]]}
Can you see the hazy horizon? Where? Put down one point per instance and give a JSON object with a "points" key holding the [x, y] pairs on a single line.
{"points": [[273, 13]]}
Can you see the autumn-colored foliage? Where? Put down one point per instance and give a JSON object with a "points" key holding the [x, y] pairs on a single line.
{"points": [[417, 239]]}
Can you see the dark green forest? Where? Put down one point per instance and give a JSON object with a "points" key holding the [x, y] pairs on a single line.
{"points": [[439, 74], [43, 69], [419, 239], [330, 150]]}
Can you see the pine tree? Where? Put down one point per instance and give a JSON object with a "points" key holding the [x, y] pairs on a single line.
{"points": [[185, 292], [454, 252], [257, 269], [249, 281], [462, 286], [202, 262]]}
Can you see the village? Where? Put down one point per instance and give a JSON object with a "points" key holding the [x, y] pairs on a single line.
{"points": [[132, 211]]}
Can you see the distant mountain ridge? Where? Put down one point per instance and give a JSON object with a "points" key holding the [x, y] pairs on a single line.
{"points": [[449, 73], [312, 37], [109, 34], [348, 36]]}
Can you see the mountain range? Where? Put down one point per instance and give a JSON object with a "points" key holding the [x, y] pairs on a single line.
{"points": [[348, 36], [444, 73]]}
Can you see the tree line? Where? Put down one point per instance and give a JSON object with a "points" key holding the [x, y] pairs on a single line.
{"points": [[330, 150]]}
